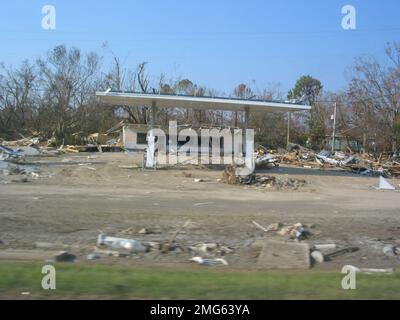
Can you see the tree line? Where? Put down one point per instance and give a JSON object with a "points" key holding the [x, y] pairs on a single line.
{"points": [[54, 97]]}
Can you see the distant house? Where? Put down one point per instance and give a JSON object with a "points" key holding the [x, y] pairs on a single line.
{"points": [[342, 143], [135, 136]]}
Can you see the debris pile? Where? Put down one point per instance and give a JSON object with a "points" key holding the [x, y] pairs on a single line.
{"points": [[360, 163], [230, 176], [279, 183], [208, 254], [264, 158], [111, 141], [296, 231]]}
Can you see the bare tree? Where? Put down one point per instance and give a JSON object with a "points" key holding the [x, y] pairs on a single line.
{"points": [[375, 94], [65, 76], [17, 98]]}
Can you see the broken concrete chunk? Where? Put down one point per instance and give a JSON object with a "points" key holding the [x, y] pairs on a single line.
{"points": [[28, 151], [317, 256], [389, 250], [284, 255]]}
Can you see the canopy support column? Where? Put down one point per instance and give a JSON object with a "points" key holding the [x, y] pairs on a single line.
{"points": [[153, 114], [246, 126]]}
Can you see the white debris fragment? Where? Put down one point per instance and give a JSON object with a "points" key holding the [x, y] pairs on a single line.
{"points": [[131, 245], [385, 185], [325, 246], [204, 247], [209, 262], [317, 256], [370, 270]]}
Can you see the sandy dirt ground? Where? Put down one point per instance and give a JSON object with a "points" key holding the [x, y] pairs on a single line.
{"points": [[78, 195]]}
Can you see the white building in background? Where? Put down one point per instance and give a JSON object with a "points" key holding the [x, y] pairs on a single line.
{"points": [[135, 136]]}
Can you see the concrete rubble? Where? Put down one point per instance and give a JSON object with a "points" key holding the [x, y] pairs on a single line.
{"points": [[361, 163], [230, 176], [284, 255]]}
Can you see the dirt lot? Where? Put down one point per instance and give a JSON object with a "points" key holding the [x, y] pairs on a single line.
{"points": [[76, 195]]}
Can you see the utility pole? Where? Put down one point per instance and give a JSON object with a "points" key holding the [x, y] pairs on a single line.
{"points": [[334, 128], [288, 131]]}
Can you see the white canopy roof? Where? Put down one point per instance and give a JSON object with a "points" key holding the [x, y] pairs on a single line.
{"points": [[177, 101]]}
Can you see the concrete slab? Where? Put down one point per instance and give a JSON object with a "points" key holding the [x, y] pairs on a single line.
{"points": [[284, 255]]}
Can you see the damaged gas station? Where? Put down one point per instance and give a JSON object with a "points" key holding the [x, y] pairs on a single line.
{"points": [[113, 201]]}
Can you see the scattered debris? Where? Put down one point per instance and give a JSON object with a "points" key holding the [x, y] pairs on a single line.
{"points": [[209, 262], [229, 176], [260, 226], [272, 227], [204, 247], [210, 248], [34, 175], [296, 231], [168, 245], [131, 245], [264, 158], [360, 163]]}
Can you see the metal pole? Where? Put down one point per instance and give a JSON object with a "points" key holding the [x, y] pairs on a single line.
{"points": [[288, 131], [153, 114], [246, 126], [334, 128]]}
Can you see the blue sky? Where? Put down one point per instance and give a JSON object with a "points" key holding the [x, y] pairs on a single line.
{"points": [[217, 43]]}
